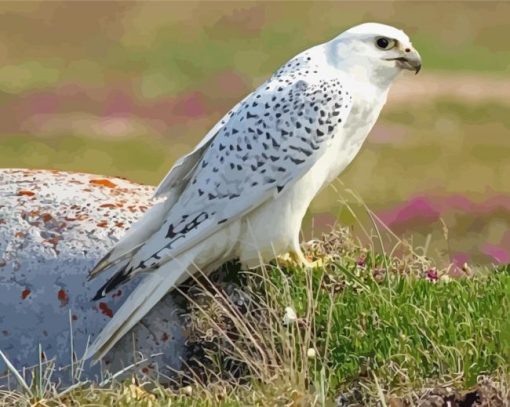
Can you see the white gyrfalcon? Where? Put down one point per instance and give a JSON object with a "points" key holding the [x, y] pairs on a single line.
{"points": [[244, 190]]}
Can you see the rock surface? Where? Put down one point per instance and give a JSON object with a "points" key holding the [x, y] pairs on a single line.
{"points": [[54, 226]]}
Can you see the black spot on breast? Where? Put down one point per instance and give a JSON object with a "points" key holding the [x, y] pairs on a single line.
{"points": [[296, 160]]}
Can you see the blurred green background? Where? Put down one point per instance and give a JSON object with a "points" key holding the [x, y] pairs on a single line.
{"points": [[125, 88]]}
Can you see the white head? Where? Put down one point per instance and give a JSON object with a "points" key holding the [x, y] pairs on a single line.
{"points": [[374, 52]]}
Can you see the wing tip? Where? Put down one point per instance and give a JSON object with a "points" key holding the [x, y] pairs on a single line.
{"points": [[99, 294], [101, 265], [120, 277]]}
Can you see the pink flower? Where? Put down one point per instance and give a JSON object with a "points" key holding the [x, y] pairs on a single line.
{"points": [[432, 275], [361, 262]]}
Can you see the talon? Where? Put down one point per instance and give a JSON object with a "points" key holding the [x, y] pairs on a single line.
{"points": [[293, 259], [315, 264]]}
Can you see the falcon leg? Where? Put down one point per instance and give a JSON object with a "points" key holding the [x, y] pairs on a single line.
{"points": [[296, 257]]}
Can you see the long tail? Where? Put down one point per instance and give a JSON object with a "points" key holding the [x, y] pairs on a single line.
{"points": [[135, 237], [146, 295]]}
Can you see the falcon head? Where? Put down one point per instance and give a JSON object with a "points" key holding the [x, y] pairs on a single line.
{"points": [[381, 51]]}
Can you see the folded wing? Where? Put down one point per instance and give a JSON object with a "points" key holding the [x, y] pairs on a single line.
{"points": [[271, 139]]}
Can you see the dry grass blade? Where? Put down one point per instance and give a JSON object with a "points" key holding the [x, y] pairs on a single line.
{"points": [[16, 374]]}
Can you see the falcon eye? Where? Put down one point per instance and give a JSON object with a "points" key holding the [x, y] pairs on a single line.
{"points": [[385, 43]]}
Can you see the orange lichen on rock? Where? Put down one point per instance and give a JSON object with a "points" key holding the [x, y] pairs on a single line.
{"points": [[77, 217], [25, 293], [25, 193], [107, 205], [62, 297], [105, 309], [53, 241], [102, 224], [103, 182]]}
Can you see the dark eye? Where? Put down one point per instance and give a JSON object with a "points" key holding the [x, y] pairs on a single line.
{"points": [[385, 43]]}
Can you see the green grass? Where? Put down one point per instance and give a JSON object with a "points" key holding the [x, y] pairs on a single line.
{"points": [[379, 328], [405, 329]]}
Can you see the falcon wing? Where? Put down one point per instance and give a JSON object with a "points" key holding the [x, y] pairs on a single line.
{"points": [[182, 169], [170, 187], [270, 141]]}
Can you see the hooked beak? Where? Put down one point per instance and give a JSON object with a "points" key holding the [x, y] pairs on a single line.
{"points": [[412, 61]]}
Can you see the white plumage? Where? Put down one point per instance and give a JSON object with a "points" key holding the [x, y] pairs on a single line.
{"points": [[244, 190]]}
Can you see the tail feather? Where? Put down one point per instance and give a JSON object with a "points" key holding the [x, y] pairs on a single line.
{"points": [[135, 237], [145, 296], [108, 261], [120, 277]]}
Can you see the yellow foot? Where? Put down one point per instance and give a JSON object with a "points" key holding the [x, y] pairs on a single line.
{"points": [[293, 259], [315, 264]]}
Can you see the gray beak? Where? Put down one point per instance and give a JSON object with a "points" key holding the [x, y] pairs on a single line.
{"points": [[411, 61]]}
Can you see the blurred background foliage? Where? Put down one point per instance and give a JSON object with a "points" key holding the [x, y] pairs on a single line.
{"points": [[125, 88]]}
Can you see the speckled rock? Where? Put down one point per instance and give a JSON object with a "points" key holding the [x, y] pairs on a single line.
{"points": [[54, 226]]}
